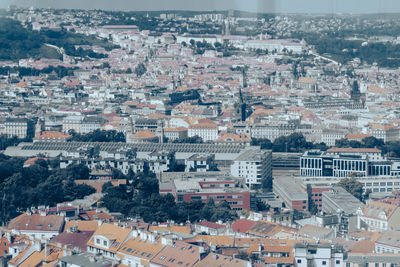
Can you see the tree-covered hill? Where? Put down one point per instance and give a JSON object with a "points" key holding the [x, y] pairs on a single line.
{"points": [[17, 42]]}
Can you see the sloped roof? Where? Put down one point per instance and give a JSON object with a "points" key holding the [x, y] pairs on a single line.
{"points": [[145, 134], [177, 255], [86, 226], [211, 225], [242, 225], [144, 249], [374, 208], [213, 259], [353, 150], [36, 222], [117, 236]]}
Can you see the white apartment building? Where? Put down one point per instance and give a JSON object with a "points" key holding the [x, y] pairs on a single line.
{"points": [[16, 127], [318, 255], [207, 131], [379, 216], [253, 165], [388, 242], [329, 136], [72, 123], [89, 124]]}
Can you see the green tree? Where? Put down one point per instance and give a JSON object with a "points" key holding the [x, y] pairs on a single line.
{"points": [[352, 186], [140, 69]]}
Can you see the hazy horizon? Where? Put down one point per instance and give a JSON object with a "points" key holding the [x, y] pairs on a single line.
{"points": [[260, 6]]}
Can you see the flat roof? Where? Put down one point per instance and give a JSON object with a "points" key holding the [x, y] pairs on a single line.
{"points": [[292, 187], [343, 199], [252, 155]]}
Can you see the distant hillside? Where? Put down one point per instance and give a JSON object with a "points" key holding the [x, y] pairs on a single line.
{"points": [[17, 42]]}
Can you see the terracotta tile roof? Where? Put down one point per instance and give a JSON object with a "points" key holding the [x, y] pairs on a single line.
{"points": [[178, 255], [22, 84], [230, 137], [353, 150], [51, 264], [74, 239], [383, 127], [36, 222], [264, 229], [96, 215], [307, 80], [204, 126], [376, 90], [357, 136], [52, 135], [213, 259], [145, 134], [172, 228], [117, 236], [32, 160], [143, 249], [84, 226], [156, 116], [242, 225], [364, 235], [282, 260], [130, 103], [364, 246], [17, 259], [374, 208], [217, 240]]}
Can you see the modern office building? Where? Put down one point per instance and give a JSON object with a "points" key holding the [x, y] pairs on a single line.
{"points": [[345, 162]]}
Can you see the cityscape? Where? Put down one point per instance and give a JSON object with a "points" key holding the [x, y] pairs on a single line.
{"points": [[199, 138]]}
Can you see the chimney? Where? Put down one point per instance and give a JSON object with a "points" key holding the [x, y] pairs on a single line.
{"points": [[152, 238], [65, 251], [37, 246], [8, 236], [99, 222], [92, 258], [46, 249], [135, 233], [143, 236], [166, 241]]}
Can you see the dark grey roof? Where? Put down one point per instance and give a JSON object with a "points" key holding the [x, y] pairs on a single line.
{"points": [[86, 260], [141, 147]]}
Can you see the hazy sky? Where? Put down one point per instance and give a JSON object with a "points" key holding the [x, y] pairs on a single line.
{"points": [[281, 6]]}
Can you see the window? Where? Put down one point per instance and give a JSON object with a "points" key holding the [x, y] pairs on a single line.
{"points": [[97, 241], [105, 243], [323, 262], [162, 258], [298, 261]]}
